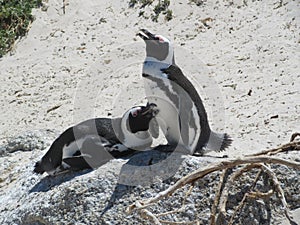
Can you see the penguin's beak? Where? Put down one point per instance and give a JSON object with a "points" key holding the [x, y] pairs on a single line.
{"points": [[146, 35], [150, 108]]}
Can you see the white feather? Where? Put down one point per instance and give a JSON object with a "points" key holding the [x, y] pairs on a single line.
{"points": [[73, 147]]}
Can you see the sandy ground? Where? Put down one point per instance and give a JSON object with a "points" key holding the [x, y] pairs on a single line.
{"points": [[87, 63], [242, 56]]}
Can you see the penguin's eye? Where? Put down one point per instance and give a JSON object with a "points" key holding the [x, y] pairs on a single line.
{"points": [[135, 113], [160, 39]]}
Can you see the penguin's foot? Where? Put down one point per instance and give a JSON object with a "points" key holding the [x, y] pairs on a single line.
{"points": [[119, 148]]}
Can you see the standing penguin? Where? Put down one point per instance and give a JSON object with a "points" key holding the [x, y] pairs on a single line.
{"points": [[182, 115], [94, 142]]}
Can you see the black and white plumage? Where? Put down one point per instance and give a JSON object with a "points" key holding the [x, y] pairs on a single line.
{"points": [[94, 142], [182, 115]]}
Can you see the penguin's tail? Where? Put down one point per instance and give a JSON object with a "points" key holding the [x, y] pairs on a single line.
{"points": [[218, 142], [38, 168]]}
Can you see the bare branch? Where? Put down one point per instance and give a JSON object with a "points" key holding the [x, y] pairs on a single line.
{"points": [[64, 6], [291, 146], [280, 192], [238, 208], [218, 195], [255, 161], [230, 183], [258, 194], [192, 177], [251, 194], [180, 223], [148, 215]]}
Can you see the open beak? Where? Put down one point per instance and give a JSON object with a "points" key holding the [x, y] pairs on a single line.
{"points": [[150, 108], [146, 35]]}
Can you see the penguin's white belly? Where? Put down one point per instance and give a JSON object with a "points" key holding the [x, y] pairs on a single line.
{"points": [[73, 147], [168, 120], [138, 141], [180, 122], [194, 128], [168, 117]]}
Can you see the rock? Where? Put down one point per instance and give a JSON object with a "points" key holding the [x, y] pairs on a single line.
{"points": [[102, 196], [47, 65], [27, 141]]}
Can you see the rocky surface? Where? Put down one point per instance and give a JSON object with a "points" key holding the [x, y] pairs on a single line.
{"points": [[242, 56], [101, 196]]}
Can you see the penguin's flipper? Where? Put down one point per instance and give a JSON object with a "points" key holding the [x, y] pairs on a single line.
{"points": [[94, 151], [76, 163], [154, 128], [175, 74]]}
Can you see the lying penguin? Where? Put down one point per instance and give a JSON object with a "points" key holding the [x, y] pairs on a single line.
{"points": [[94, 142], [182, 116]]}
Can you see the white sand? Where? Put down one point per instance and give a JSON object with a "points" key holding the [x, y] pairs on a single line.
{"points": [[87, 66]]}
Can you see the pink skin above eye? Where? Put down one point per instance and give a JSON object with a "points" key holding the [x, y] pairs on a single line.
{"points": [[135, 113], [160, 38]]}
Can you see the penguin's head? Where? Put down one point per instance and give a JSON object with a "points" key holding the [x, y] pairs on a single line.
{"points": [[139, 117], [45, 165], [158, 47]]}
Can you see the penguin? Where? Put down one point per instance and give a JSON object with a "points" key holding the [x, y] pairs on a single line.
{"points": [[94, 142], [182, 116]]}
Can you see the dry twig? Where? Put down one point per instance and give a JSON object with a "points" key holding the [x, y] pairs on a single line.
{"points": [[255, 195], [230, 183], [64, 6], [181, 208], [280, 192], [291, 146], [147, 214], [180, 223], [200, 173], [250, 194], [255, 161], [218, 195]]}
